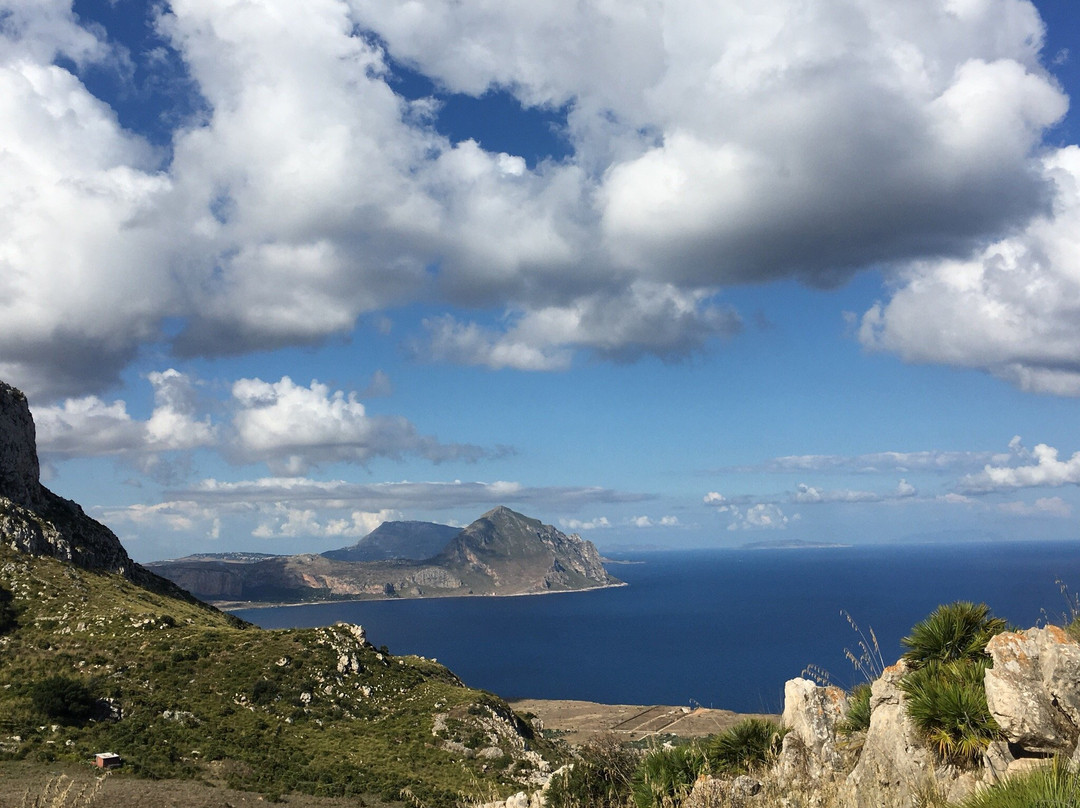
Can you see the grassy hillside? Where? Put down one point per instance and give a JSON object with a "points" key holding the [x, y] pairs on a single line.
{"points": [[90, 662]]}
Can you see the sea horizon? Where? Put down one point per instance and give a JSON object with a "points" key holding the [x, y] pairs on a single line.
{"points": [[724, 627]]}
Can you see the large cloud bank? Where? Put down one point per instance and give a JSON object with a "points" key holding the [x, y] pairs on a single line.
{"points": [[710, 144]]}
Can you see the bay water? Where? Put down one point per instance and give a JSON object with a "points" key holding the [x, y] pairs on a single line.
{"points": [[719, 628]]}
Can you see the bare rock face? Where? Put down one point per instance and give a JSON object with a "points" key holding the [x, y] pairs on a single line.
{"points": [[895, 765], [19, 471], [36, 521], [1033, 688], [811, 714]]}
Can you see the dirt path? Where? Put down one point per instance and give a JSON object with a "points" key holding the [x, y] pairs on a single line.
{"points": [[577, 721]]}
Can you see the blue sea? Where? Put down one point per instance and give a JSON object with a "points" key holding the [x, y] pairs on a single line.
{"points": [[719, 628]]}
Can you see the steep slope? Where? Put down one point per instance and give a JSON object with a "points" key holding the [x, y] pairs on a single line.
{"points": [[414, 541], [36, 521], [504, 550], [98, 654]]}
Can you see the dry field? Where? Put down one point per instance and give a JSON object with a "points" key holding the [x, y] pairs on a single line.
{"points": [[577, 721]]}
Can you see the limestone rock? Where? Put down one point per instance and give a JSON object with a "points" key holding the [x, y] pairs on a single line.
{"points": [[811, 714], [715, 792], [895, 764], [19, 471], [36, 521], [1033, 688]]}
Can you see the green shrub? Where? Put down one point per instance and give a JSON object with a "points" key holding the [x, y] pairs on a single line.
{"points": [[858, 714], [264, 691], [666, 777], [947, 703], [63, 699], [8, 613], [751, 743], [599, 778], [946, 698], [1051, 786], [958, 630]]}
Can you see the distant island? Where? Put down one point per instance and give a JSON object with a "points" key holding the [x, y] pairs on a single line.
{"points": [[791, 544], [501, 553]]}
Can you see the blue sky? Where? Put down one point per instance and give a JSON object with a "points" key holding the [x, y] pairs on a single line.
{"points": [[665, 274]]}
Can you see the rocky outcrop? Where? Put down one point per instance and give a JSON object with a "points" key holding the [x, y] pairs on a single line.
{"points": [[895, 763], [36, 521], [1033, 689], [811, 714], [19, 471]]}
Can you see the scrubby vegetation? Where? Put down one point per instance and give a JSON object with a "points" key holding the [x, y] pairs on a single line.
{"points": [[600, 777], [667, 775], [1053, 786], [96, 663], [955, 631], [945, 695], [750, 744], [609, 774], [858, 714]]}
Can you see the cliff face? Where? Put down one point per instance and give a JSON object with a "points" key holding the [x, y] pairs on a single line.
{"points": [[36, 521], [19, 471]]}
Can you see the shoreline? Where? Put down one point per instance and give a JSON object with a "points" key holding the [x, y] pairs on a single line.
{"points": [[236, 605]]}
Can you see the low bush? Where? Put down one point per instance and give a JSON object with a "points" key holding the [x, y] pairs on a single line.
{"points": [[600, 777], [858, 714], [946, 698], [63, 699], [953, 631], [947, 703], [751, 743], [666, 777]]}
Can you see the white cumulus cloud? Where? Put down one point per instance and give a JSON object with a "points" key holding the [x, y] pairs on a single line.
{"points": [[709, 144], [1008, 308], [292, 428], [1046, 471], [88, 426]]}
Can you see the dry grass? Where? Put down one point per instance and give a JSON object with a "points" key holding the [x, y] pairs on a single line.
{"points": [[24, 784]]}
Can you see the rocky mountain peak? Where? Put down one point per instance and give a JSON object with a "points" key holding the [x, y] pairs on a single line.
{"points": [[36, 521], [19, 469]]}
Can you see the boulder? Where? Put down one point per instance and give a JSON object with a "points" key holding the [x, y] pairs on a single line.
{"points": [[1033, 688]]}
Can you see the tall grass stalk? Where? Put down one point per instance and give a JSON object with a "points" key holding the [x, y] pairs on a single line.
{"points": [[869, 662], [60, 792]]}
